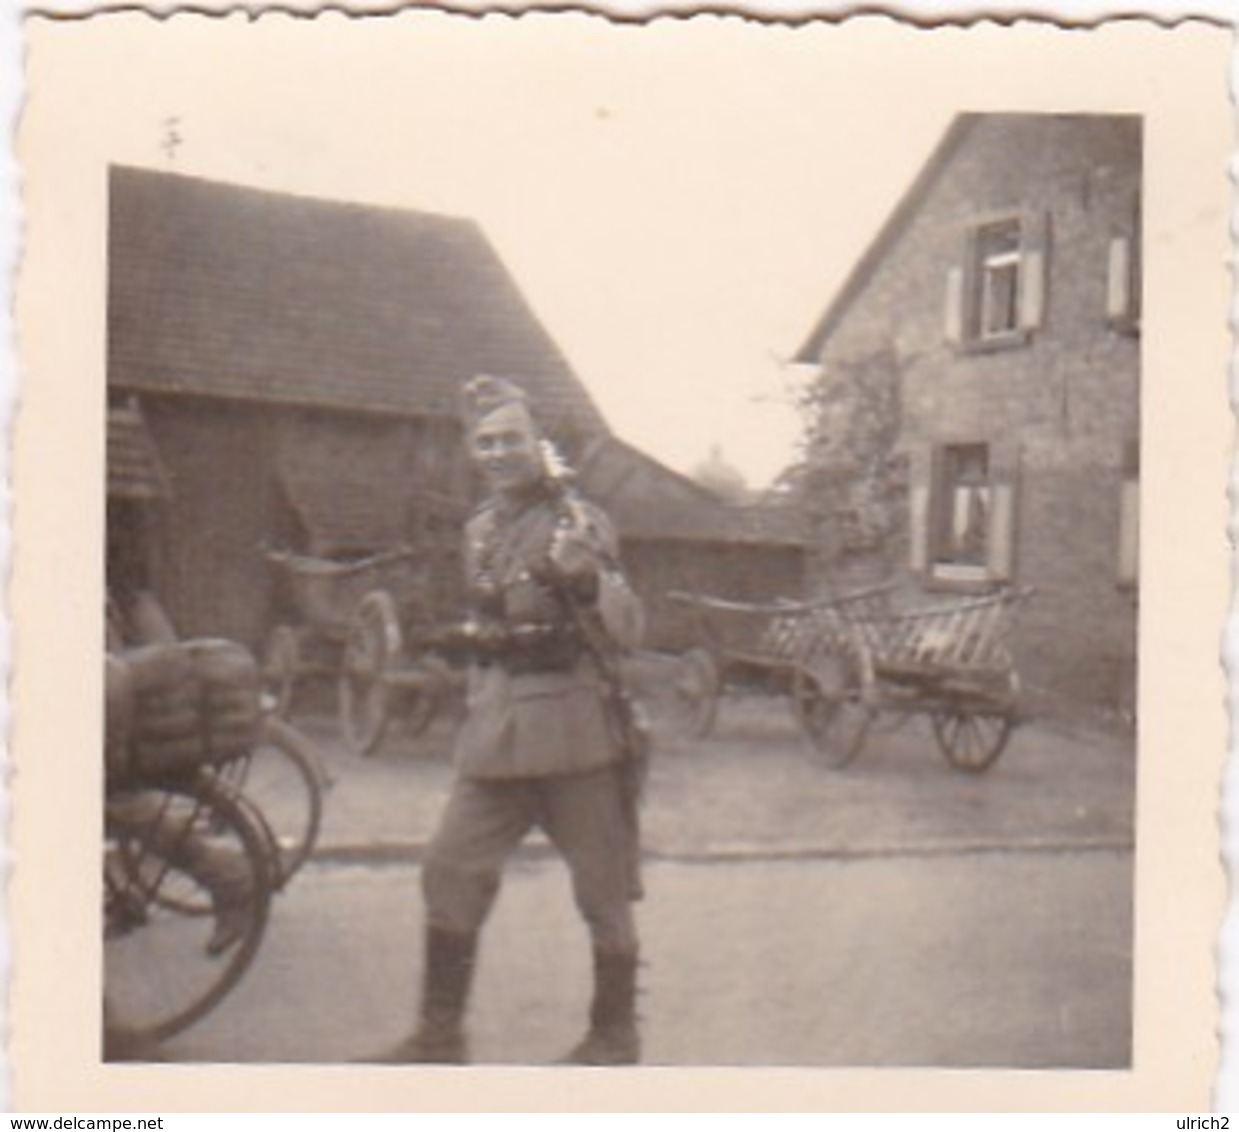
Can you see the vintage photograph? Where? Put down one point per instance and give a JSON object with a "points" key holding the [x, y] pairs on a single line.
{"points": [[601, 564]]}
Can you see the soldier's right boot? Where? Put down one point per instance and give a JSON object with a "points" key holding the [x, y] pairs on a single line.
{"points": [[440, 1035]]}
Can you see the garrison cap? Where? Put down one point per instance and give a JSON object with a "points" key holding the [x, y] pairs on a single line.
{"points": [[483, 396]]}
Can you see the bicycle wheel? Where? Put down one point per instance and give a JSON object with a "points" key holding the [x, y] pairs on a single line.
{"points": [[279, 785], [163, 969], [283, 776]]}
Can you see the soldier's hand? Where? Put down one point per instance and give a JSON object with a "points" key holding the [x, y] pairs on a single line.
{"points": [[573, 553]]}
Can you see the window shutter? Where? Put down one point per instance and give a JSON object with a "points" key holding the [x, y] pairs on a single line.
{"points": [[1119, 282], [953, 321], [1004, 476], [919, 477], [1033, 270], [1129, 516], [938, 508], [1001, 562], [1129, 533]]}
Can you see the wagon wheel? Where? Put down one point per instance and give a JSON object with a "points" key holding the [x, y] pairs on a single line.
{"points": [[422, 703], [371, 649], [973, 735], [280, 662], [831, 702], [696, 691]]}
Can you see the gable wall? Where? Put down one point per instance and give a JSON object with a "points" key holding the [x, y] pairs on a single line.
{"points": [[1068, 402]]}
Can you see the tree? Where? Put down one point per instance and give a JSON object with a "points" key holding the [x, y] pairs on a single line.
{"points": [[849, 477]]}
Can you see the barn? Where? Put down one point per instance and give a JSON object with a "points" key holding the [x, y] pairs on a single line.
{"points": [[283, 375]]}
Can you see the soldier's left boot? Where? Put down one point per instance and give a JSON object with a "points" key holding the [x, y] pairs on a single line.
{"points": [[440, 1038], [613, 1037]]}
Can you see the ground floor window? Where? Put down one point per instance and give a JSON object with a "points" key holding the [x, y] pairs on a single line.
{"points": [[962, 512], [963, 533]]}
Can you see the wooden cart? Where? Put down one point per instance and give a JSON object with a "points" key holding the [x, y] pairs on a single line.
{"points": [[353, 615], [845, 660], [781, 647]]}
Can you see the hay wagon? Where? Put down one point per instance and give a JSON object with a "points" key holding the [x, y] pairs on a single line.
{"points": [[845, 660], [351, 629]]}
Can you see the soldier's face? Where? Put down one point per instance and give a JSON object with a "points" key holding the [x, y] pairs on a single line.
{"points": [[506, 451]]}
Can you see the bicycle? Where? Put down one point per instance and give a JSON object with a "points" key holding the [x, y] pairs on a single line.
{"points": [[176, 850], [284, 777], [212, 804]]}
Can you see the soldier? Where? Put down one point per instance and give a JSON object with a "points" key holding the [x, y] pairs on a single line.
{"points": [[548, 740]]}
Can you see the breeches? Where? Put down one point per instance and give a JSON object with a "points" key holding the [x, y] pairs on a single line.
{"points": [[582, 814]]}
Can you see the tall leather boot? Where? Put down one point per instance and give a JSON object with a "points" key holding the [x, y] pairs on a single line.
{"points": [[440, 1034], [612, 1038]]}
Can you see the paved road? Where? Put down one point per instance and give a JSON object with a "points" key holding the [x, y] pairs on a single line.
{"points": [[752, 788], [1005, 959], [896, 913]]}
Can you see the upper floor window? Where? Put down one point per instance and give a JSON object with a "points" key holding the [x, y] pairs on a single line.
{"points": [[998, 271], [996, 292]]}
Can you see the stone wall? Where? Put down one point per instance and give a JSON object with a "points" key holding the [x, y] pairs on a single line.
{"points": [[1062, 403]]}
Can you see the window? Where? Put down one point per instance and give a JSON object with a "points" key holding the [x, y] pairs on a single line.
{"points": [[996, 293], [998, 270], [962, 509], [963, 513]]}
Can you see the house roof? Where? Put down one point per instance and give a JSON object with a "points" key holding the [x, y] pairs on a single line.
{"points": [[647, 500], [907, 208], [235, 292]]}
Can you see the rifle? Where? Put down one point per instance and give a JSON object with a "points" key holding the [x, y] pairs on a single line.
{"points": [[630, 728]]}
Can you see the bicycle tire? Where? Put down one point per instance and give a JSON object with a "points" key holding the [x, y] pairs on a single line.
{"points": [[291, 804], [159, 976], [279, 785]]}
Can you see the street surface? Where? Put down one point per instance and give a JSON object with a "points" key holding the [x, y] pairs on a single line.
{"points": [[896, 913], [986, 960]]}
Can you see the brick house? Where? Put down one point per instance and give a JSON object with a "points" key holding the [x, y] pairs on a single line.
{"points": [[1002, 297], [284, 372]]}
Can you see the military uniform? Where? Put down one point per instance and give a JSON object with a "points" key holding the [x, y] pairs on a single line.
{"points": [[543, 744], [537, 747]]}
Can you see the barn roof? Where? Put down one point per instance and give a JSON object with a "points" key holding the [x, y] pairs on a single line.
{"points": [[235, 292], [647, 500]]}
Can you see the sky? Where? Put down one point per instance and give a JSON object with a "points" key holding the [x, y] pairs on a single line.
{"points": [[678, 214], [678, 201]]}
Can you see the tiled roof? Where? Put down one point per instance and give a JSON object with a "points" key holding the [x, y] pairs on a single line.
{"points": [[235, 292], [647, 500]]}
